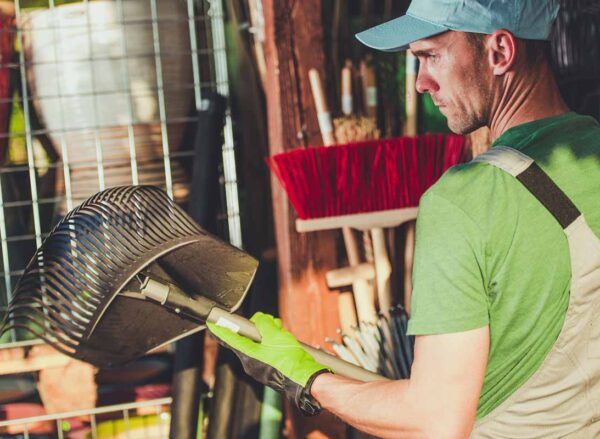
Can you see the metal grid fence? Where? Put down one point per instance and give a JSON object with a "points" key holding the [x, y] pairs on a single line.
{"points": [[101, 93], [137, 420]]}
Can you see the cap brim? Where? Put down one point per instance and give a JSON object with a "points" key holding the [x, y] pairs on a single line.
{"points": [[395, 35]]}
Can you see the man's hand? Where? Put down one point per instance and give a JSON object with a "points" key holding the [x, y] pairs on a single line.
{"points": [[279, 361]]}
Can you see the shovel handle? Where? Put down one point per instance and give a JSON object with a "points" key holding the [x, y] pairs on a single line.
{"points": [[246, 328]]}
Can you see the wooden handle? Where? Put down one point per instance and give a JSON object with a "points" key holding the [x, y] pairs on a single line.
{"points": [[383, 270], [323, 114], [369, 83], [246, 328], [258, 38], [347, 312], [345, 276], [410, 127], [364, 296], [347, 101]]}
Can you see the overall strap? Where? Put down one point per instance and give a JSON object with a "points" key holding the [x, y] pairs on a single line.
{"points": [[524, 169]]}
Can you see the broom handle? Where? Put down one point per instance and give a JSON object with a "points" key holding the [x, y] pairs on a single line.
{"points": [[246, 328], [383, 270], [410, 127], [258, 40], [383, 266], [323, 114], [363, 293], [347, 101], [369, 83], [346, 306], [349, 305]]}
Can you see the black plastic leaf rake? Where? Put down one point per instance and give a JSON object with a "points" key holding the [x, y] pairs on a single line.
{"points": [[128, 271]]}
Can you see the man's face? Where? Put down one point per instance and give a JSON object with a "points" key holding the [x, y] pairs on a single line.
{"points": [[455, 73]]}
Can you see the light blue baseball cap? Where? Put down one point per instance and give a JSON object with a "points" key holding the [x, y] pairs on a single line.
{"points": [[526, 19]]}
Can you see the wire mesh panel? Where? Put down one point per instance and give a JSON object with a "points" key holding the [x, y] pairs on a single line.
{"points": [[96, 94], [137, 420]]}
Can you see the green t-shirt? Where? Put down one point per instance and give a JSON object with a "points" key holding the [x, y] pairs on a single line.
{"points": [[487, 252]]}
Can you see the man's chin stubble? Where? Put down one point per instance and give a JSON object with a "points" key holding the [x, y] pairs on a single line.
{"points": [[465, 127]]}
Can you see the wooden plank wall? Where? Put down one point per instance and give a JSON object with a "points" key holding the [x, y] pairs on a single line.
{"points": [[294, 44]]}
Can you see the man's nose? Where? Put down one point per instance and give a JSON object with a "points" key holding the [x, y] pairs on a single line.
{"points": [[425, 83]]}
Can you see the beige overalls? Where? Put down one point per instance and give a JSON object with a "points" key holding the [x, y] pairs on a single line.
{"points": [[562, 398]]}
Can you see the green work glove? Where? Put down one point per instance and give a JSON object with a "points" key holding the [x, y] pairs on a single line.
{"points": [[279, 361]]}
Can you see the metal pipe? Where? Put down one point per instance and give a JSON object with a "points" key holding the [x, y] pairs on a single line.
{"points": [[194, 55], [93, 412], [28, 136], [131, 121], [215, 14], [61, 135], [97, 140], [161, 98]]}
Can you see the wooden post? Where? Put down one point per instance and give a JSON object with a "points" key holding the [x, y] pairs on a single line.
{"points": [[293, 46]]}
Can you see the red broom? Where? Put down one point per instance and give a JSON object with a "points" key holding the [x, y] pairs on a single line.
{"points": [[368, 185], [364, 177]]}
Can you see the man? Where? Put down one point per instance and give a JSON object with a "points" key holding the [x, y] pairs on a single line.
{"points": [[507, 271]]}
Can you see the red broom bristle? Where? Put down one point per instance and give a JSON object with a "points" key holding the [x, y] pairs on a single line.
{"points": [[367, 176]]}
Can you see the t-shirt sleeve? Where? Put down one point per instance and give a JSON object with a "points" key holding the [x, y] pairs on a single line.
{"points": [[449, 293]]}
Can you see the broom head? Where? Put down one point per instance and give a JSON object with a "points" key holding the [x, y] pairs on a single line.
{"points": [[367, 176]]}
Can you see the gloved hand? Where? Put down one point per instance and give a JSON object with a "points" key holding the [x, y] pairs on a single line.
{"points": [[279, 361]]}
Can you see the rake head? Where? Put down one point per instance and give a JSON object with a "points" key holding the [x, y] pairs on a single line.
{"points": [[81, 291]]}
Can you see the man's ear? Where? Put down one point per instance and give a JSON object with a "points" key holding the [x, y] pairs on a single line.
{"points": [[502, 50]]}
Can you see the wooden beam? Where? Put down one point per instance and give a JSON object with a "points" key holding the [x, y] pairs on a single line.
{"points": [[293, 46], [32, 359], [361, 221], [64, 384], [69, 387]]}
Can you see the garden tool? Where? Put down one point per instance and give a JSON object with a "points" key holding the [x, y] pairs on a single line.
{"points": [[128, 271]]}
